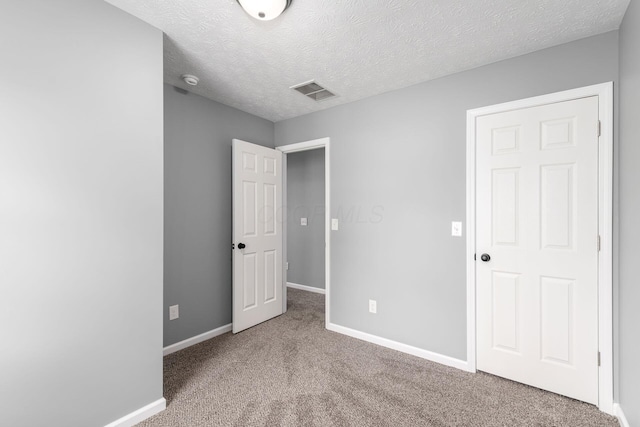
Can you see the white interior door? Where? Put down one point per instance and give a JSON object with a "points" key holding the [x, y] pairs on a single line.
{"points": [[257, 234], [537, 219]]}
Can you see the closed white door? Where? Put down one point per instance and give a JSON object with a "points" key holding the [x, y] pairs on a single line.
{"points": [[537, 221], [257, 234]]}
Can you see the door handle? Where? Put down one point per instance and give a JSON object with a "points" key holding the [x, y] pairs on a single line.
{"points": [[483, 257], [241, 246]]}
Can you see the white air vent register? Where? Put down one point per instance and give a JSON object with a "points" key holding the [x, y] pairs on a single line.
{"points": [[313, 90]]}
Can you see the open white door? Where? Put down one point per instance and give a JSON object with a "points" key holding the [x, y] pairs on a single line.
{"points": [[257, 234], [537, 242]]}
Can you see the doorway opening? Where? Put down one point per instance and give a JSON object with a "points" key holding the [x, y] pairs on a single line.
{"points": [[306, 217]]}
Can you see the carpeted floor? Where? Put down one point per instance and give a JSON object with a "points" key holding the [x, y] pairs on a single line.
{"points": [[290, 371]]}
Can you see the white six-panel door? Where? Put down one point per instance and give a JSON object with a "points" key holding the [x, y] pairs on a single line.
{"points": [[257, 225], [537, 219]]}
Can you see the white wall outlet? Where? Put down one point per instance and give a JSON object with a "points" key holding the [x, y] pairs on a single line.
{"points": [[286, 265], [373, 306], [303, 221], [174, 312], [456, 229], [334, 224]]}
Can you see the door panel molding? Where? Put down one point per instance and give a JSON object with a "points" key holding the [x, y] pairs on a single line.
{"points": [[509, 142]]}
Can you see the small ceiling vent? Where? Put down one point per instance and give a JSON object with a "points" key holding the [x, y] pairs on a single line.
{"points": [[314, 91]]}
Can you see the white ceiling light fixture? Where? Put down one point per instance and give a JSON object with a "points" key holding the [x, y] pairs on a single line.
{"points": [[190, 79], [264, 10]]}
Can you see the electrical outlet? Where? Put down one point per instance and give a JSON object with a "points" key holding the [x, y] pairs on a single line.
{"points": [[303, 221], [373, 306], [174, 312], [286, 264], [334, 224], [456, 229]]}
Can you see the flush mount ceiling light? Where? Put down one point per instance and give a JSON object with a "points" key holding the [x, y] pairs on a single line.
{"points": [[264, 10], [190, 79]]}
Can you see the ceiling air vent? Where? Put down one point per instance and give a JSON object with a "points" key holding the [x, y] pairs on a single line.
{"points": [[314, 91]]}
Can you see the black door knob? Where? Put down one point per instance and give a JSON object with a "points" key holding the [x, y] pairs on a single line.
{"points": [[241, 246], [483, 257]]}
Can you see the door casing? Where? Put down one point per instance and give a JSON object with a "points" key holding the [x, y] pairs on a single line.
{"points": [[295, 148], [605, 225]]}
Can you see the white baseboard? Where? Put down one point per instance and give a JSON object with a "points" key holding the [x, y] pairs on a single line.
{"points": [[196, 340], [305, 288], [404, 348], [140, 415], [620, 415]]}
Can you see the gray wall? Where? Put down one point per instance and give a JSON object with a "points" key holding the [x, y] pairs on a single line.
{"points": [[629, 172], [197, 251], [398, 180], [305, 198], [80, 213]]}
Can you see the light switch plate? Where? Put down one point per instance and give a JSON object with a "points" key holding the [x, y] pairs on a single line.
{"points": [[303, 221], [456, 229], [334, 224]]}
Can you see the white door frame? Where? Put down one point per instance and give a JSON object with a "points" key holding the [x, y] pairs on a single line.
{"points": [[605, 225], [295, 148]]}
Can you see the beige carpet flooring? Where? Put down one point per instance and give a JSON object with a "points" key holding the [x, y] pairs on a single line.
{"points": [[290, 371]]}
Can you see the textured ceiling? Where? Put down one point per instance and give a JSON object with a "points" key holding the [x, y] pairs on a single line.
{"points": [[355, 48]]}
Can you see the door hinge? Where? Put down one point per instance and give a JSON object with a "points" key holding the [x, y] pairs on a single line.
{"points": [[598, 358], [598, 243], [599, 128]]}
